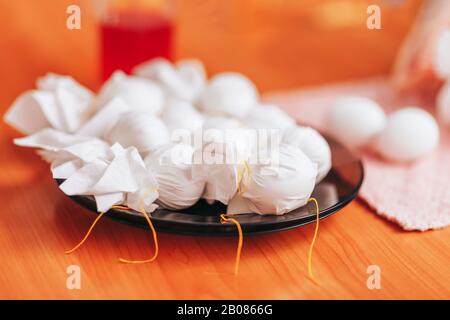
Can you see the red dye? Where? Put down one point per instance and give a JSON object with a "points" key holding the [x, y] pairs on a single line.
{"points": [[132, 37]]}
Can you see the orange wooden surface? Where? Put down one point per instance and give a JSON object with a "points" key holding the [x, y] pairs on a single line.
{"points": [[37, 222]]}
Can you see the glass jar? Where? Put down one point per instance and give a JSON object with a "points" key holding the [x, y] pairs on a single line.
{"points": [[134, 31]]}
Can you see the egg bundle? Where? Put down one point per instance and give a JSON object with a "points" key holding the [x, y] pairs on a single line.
{"points": [[135, 143]]}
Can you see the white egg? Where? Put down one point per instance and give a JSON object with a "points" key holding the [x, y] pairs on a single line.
{"points": [[355, 121], [313, 145], [139, 129], [229, 94], [140, 94], [171, 165], [181, 115], [442, 55], [410, 133], [268, 117], [443, 104], [280, 187]]}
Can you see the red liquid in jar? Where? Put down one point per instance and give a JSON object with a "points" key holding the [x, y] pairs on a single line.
{"points": [[132, 37]]}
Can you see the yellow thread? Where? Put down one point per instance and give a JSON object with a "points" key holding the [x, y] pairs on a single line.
{"points": [[92, 227], [225, 219], [310, 273], [240, 175], [87, 234], [155, 239]]}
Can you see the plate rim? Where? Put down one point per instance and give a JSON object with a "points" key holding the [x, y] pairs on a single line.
{"points": [[89, 204]]}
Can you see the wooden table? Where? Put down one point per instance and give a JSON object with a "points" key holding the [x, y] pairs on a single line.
{"points": [[37, 222]]}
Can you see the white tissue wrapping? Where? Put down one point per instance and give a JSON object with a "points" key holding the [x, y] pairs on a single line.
{"points": [[139, 129], [105, 118], [221, 123], [66, 153], [184, 81], [60, 102], [124, 179], [140, 94], [219, 164], [280, 188], [181, 115], [229, 94], [172, 167], [269, 117], [193, 72], [313, 145], [214, 124]]}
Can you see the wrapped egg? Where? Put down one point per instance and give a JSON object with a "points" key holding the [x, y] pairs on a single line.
{"points": [[139, 129], [313, 145], [409, 134], [179, 114], [219, 122], [355, 121], [193, 72], [140, 94], [224, 130], [443, 105], [171, 165], [281, 186], [229, 94], [269, 117], [184, 81], [220, 165]]}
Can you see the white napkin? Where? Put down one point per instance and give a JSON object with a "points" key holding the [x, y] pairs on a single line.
{"points": [[124, 179], [105, 118], [60, 102], [65, 152]]}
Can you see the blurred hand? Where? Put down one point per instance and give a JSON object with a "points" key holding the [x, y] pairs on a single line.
{"points": [[415, 65]]}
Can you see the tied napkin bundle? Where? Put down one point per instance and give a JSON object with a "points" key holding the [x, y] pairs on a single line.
{"points": [[132, 143], [134, 146]]}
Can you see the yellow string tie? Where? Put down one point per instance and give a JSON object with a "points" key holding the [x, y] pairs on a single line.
{"points": [[240, 175], [87, 234], [310, 273], [155, 238], [225, 219]]}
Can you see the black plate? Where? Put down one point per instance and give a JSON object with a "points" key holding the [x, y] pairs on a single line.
{"points": [[339, 187]]}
